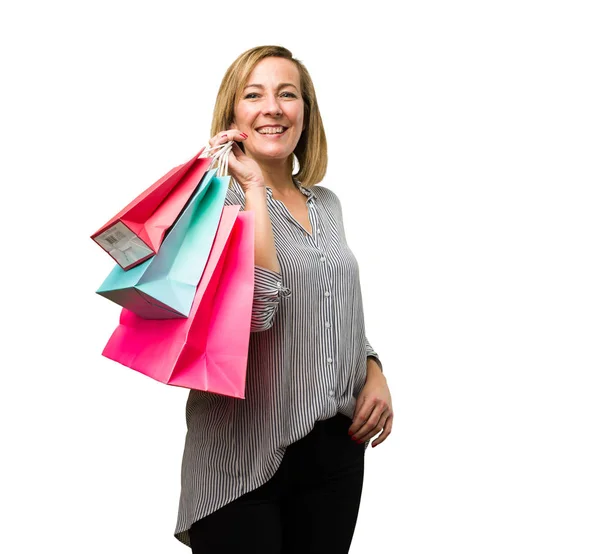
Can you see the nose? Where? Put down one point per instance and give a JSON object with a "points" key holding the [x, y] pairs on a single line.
{"points": [[272, 106]]}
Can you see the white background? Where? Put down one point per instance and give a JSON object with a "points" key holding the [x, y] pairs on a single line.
{"points": [[464, 141]]}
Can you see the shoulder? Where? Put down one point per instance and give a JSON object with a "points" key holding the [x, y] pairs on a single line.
{"points": [[326, 195]]}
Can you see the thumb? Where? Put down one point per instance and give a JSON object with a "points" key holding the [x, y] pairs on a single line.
{"points": [[233, 160], [237, 169]]}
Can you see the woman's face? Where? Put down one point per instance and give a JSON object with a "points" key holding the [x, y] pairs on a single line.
{"points": [[271, 102]]}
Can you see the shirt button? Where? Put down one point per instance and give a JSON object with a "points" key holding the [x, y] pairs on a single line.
{"points": [[326, 293], [329, 360], [327, 325], [331, 393], [319, 231], [322, 258]]}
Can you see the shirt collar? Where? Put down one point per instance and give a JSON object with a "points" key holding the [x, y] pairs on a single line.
{"points": [[306, 191]]}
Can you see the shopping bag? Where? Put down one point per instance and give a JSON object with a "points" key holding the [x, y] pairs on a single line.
{"points": [[164, 286], [136, 232], [208, 351]]}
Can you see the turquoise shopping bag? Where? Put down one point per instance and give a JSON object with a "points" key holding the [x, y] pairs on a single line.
{"points": [[164, 286]]}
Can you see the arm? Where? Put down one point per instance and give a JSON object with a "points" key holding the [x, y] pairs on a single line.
{"points": [[268, 285], [265, 254]]}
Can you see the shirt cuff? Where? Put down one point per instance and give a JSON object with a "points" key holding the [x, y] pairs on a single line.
{"points": [[377, 361], [372, 354], [269, 283], [268, 292]]}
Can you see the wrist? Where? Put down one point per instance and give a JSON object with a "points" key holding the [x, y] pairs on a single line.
{"points": [[255, 190]]}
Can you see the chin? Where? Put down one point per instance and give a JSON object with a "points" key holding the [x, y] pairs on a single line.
{"points": [[273, 153]]}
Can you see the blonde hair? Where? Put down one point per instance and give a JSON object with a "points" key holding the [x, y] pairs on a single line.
{"points": [[311, 150]]}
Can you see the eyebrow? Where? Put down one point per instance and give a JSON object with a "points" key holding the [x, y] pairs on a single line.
{"points": [[282, 85]]}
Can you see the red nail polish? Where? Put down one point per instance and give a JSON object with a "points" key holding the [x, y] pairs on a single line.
{"points": [[244, 135]]}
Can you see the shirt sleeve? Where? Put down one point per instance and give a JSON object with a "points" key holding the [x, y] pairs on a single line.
{"points": [[268, 292], [268, 285], [372, 354]]}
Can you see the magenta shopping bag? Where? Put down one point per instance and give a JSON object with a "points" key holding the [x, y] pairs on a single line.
{"points": [[209, 350]]}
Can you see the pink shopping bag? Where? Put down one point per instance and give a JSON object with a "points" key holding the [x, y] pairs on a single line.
{"points": [[209, 350], [137, 231]]}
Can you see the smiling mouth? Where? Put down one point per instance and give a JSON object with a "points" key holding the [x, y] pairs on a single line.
{"points": [[272, 131]]}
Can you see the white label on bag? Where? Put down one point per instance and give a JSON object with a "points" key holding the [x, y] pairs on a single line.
{"points": [[123, 244]]}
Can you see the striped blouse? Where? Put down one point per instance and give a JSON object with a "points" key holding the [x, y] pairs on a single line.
{"points": [[307, 361]]}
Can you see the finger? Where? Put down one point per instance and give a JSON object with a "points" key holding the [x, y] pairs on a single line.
{"points": [[234, 165], [219, 140], [378, 428], [225, 136], [238, 169], [387, 429], [236, 156], [370, 410], [360, 416], [370, 423]]}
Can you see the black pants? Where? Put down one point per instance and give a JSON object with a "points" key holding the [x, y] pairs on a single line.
{"points": [[309, 506]]}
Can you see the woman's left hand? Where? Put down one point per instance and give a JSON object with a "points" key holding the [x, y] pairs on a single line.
{"points": [[373, 411]]}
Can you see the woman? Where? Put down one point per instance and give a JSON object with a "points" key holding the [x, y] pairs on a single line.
{"points": [[282, 470]]}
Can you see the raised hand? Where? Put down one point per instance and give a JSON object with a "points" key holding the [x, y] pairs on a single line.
{"points": [[241, 167]]}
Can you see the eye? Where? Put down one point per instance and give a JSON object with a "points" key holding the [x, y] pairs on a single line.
{"points": [[252, 95]]}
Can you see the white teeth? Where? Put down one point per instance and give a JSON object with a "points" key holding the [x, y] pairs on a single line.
{"points": [[271, 130]]}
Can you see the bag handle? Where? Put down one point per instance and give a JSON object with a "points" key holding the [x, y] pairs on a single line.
{"points": [[220, 157]]}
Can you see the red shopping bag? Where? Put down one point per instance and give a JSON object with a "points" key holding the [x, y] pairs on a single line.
{"points": [[209, 350], [137, 231]]}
